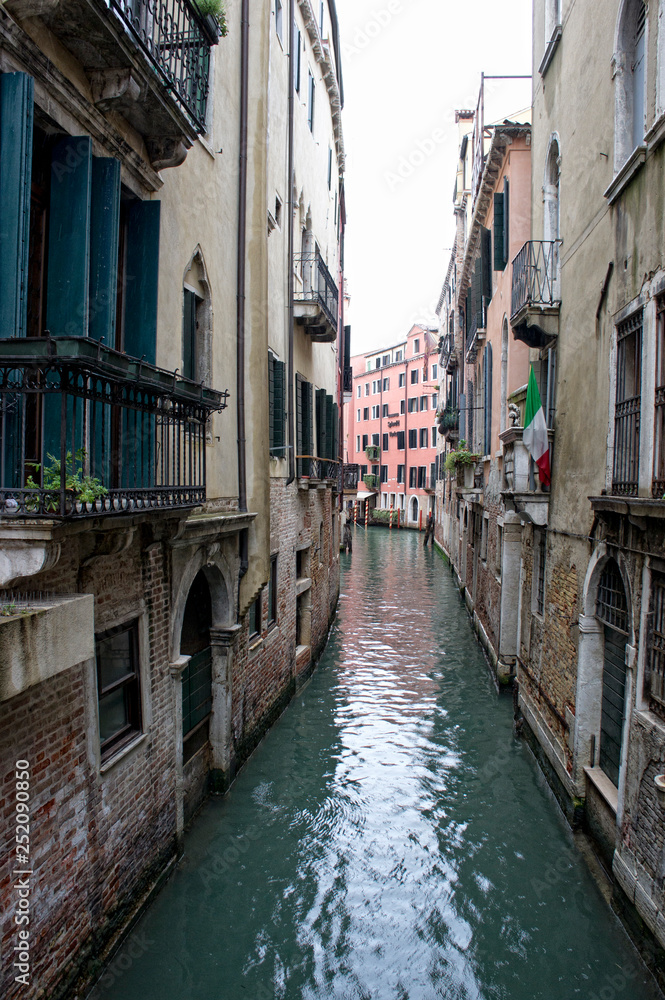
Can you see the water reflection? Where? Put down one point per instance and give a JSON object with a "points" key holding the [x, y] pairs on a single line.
{"points": [[390, 838]]}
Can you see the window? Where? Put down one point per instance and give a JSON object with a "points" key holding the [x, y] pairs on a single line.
{"points": [[433, 437], [414, 377], [402, 380], [655, 662], [189, 338], [402, 407], [272, 592], [413, 404], [499, 549], [627, 407], [118, 687], [435, 371], [423, 403], [400, 440], [422, 477], [398, 356], [358, 442], [359, 391], [386, 384], [363, 471], [376, 386], [311, 99], [386, 439], [424, 373], [375, 412], [483, 537], [277, 407], [540, 552], [377, 363], [321, 19], [296, 62], [413, 438], [630, 82], [400, 474], [416, 346], [358, 416], [329, 168], [659, 424], [384, 410], [366, 413], [386, 360], [375, 440], [255, 619], [384, 473], [375, 470], [487, 399], [304, 425], [367, 388], [279, 20], [413, 478], [424, 437], [365, 441]]}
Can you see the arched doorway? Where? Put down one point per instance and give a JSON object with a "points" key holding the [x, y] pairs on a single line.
{"points": [[612, 613], [414, 509], [197, 675]]}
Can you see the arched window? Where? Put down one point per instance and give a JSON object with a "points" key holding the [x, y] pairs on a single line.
{"points": [[197, 321], [630, 80], [612, 611], [197, 675]]}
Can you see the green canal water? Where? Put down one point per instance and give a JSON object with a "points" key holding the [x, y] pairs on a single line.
{"points": [[390, 839]]}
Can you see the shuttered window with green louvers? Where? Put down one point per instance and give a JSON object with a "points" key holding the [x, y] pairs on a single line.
{"points": [[276, 386], [321, 424], [303, 425], [499, 258]]}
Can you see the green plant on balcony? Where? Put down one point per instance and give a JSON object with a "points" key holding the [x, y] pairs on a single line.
{"points": [[217, 10], [372, 451], [84, 487], [460, 457], [371, 481]]}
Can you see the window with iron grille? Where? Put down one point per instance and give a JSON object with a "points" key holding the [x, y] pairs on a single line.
{"points": [[627, 408], [655, 672], [658, 488], [611, 606]]}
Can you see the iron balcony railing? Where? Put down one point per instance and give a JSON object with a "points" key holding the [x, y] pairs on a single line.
{"points": [[87, 431], [350, 476], [626, 447], [311, 467], [447, 348], [449, 419], [317, 284], [348, 378], [176, 39], [535, 275]]}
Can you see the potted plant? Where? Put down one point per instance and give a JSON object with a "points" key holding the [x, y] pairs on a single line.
{"points": [[463, 461], [83, 488], [213, 13]]}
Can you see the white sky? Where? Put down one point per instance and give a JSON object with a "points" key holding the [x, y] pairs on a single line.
{"points": [[407, 66]]}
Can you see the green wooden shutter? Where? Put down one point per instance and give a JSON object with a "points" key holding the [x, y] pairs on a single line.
{"points": [[69, 238], [299, 423], [16, 115], [308, 407], [271, 403], [477, 288], [279, 415], [499, 258], [189, 335], [486, 258], [104, 239], [330, 432], [141, 280], [469, 310], [506, 220], [321, 428], [335, 446]]}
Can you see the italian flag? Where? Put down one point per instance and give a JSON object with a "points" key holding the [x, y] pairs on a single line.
{"points": [[535, 430]]}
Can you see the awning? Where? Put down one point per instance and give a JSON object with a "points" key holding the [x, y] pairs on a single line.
{"points": [[363, 494]]}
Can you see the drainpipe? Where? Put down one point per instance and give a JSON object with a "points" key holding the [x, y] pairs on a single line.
{"points": [[290, 286], [242, 244]]}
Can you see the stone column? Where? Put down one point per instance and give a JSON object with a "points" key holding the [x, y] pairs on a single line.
{"points": [[222, 641], [588, 698], [510, 594], [177, 668]]}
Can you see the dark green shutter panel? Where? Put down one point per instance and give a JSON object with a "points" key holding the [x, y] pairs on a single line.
{"points": [[328, 453], [499, 258], [271, 403], [69, 238], [299, 423], [16, 114], [278, 407], [321, 429], [308, 406], [488, 404], [506, 220], [188, 335], [477, 290], [104, 238], [335, 446], [486, 256], [141, 280], [347, 346], [469, 309]]}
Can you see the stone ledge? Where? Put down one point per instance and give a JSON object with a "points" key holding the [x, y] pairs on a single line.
{"points": [[603, 786]]}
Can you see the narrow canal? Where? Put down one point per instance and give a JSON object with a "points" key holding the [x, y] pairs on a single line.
{"points": [[390, 839]]}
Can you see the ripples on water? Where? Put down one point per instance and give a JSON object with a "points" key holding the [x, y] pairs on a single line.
{"points": [[389, 839]]}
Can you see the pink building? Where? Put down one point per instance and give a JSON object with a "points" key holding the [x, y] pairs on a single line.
{"points": [[390, 425]]}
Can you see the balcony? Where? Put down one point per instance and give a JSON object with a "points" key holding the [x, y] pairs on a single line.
{"points": [[87, 432], [535, 294], [318, 470], [316, 301], [430, 484], [348, 381], [350, 477], [371, 482], [448, 422], [148, 60], [448, 358], [373, 453], [522, 491]]}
